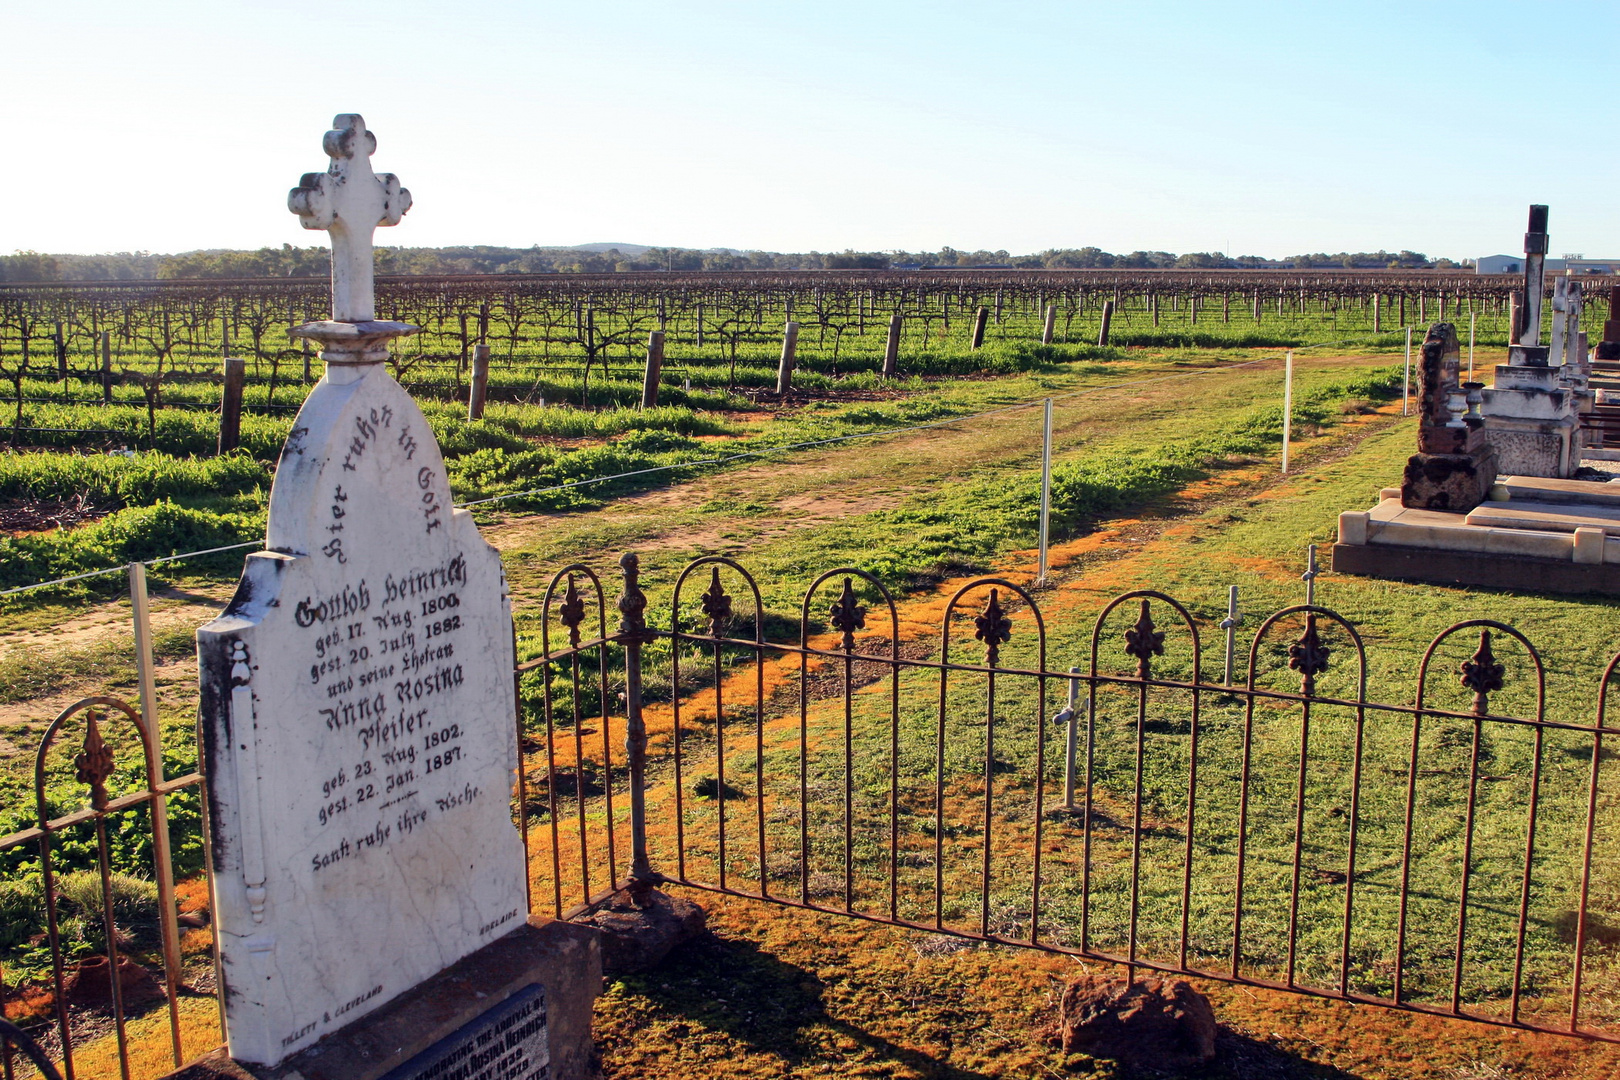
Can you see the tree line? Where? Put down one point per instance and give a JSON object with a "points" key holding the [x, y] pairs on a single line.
{"points": [[288, 261]]}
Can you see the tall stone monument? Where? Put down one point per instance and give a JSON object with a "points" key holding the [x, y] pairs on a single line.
{"points": [[358, 725], [1532, 410], [1455, 466]]}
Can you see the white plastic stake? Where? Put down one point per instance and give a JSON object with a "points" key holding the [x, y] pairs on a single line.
{"points": [[1288, 405], [1046, 488], [1406, 380], [1071, 717], [1309, 576], [1230, 625], [1473, 324]]}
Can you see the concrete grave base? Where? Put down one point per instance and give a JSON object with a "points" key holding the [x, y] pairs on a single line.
{"points": [[1549, 535], [408, 1037]]}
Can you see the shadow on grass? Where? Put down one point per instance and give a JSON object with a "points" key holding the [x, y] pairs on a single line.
{"points": [[776, 1008], [1243, 1057], [771, 1006]]}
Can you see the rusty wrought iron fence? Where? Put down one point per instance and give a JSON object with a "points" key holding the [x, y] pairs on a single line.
{"points": [[88, 932], [1449, 852]]}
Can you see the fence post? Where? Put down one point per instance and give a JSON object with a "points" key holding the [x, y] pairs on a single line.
{"points": [[169, 927], [1378, 326], [655, 368], [106, 367], [790, 345], [891, 351], [1406, 379], [1049, 324], [1107, 322], [480, 382], [305, 344], [633, 634], [61, 353], [1046, 488], [1288, 405], [230, 405], [980, 316]]}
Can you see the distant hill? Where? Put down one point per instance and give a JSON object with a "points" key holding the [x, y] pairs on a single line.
{"points": [[632, 250]]}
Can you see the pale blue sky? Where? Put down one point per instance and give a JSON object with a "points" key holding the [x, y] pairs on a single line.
{"points": [[1264, 128]]}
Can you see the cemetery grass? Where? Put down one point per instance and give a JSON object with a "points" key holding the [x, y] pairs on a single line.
{"points": [[40, 678], [1245, 537], [1261, 519]]}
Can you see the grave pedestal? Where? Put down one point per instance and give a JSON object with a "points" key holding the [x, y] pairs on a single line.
{"points": [[517, 1009], [1456, 482], [1532, 419]]}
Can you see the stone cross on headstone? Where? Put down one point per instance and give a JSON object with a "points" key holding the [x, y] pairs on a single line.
{"points": [[350, 201], [358, 710]]}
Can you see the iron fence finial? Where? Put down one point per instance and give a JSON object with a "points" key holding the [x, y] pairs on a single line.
{"points": [[633, 604]]}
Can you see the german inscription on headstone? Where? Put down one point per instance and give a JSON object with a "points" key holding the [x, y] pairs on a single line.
{"points": [[506, 1043], [357, 694]]}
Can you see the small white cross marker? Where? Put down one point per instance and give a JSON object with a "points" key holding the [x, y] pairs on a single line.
{"points": [[350, 201]]}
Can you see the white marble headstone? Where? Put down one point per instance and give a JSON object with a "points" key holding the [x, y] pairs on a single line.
{"points": [[358, 718]]}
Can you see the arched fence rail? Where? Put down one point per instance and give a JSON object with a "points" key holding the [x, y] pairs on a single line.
{"points": [[1443, 845]]}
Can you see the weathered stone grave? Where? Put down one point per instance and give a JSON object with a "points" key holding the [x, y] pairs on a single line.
{"points": [[359, 735], [1455, 467], [1533, 408], [1454, 519]]}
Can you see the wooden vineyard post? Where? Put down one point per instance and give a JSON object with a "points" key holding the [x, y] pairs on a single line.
{"points": [[1153, 302], [655, 368], [891, 351], [1107, 322], [61, 353], [1051, 321], [790, 346], [1226, 306], [981, 315], [106, 367], [480, 382], [230, 406], [1192, 310], [1377, 322], [461, 362], [305, 344]]}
